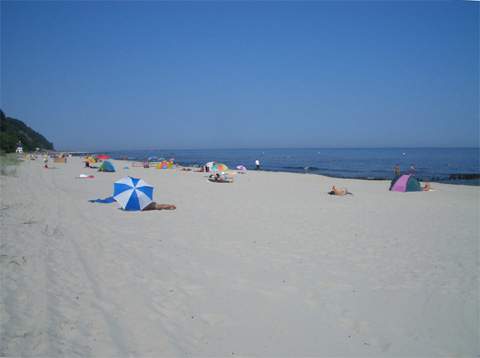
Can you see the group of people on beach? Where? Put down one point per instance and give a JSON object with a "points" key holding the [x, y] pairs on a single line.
{"points": [[221, 177], [60, 157], [397, 172]]}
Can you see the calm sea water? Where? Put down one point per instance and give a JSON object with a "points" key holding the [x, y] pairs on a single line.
{"points": [[436, 164]]}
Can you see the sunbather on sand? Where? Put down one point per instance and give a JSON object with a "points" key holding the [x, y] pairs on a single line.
{"points": [[427, 187], [155, 206], [337, 191], [217, 178]]}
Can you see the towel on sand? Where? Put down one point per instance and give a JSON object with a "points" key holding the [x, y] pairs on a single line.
{"points": [[108, 200]]}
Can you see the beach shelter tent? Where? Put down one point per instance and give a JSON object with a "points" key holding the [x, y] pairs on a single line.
{"points": [[165, 165], [132, 194], [219, 167], [106, 167], [406, 182], [241, 167], [103, 156]]}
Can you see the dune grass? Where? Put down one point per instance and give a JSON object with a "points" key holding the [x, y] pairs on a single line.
{"points": [[8, 164]]}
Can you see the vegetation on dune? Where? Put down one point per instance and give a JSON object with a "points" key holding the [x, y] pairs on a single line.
{"points": [[13, 131], [8, 163]]}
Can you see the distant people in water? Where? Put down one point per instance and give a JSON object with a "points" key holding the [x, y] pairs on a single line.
{"points": [[257, 164], [339, 191], [396, 170], [155, 206]]}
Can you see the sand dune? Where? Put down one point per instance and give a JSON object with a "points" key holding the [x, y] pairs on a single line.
{"points": [[267, 266]]}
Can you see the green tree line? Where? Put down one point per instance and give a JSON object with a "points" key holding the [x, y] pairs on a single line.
{"points": [[13, 131]]}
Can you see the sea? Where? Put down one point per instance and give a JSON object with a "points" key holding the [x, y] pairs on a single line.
{"points": [[449, 165]]}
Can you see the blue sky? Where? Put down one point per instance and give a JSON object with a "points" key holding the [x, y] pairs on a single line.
{"points": [[140, 75]]}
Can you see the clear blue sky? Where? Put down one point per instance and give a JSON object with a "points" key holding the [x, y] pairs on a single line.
{"points": [[140, 75]]}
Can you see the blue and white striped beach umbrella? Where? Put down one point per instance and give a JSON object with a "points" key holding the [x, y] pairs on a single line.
{"points": [[132, 194]]}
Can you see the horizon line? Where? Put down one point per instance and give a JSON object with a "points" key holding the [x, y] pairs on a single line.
{"points": [[270, 148]]}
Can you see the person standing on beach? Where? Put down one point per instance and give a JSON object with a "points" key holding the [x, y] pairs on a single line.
{"points": [[413, 171], [257, 164], [396, 170]]}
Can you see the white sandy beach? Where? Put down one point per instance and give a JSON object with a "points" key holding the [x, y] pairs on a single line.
{"points": [[267, 266]]}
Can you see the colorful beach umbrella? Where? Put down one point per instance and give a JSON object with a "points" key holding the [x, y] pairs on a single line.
{"points": [[165, 165], [103, 156], [219, 167], [132, 194]]}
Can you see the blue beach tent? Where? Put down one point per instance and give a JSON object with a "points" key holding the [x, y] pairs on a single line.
{"points": [[106, 167]]}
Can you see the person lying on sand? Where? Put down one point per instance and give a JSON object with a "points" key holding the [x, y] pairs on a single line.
{"points": [[337, 191], [155, 206], [427, 187], [223, 178]]}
